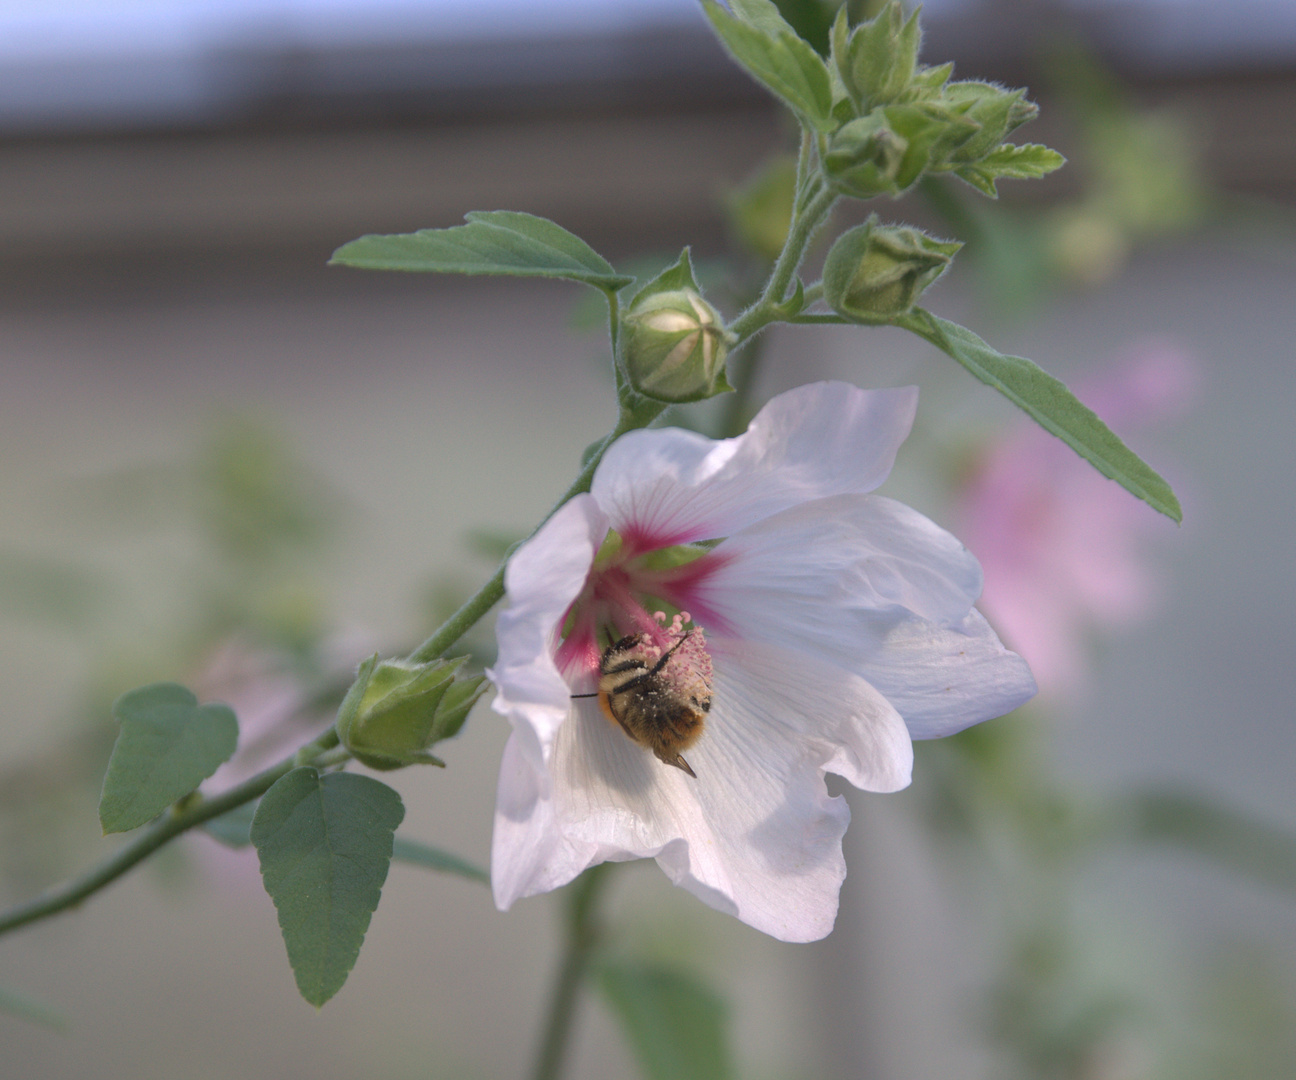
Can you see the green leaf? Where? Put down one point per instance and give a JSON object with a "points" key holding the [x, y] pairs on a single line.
{"points": [[675, 1025], [1029, 161], [325, 844], [1203, 827], [235, 828], [168, 745], [1047, 401], [493, 242], [781, 60], [419, 854], [24, 1008], [764, 15]]}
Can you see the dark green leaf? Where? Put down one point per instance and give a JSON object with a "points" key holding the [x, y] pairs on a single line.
{"points": [[675, 1025], [811, 20], [36, 587], [25, 1008], [781, 60], [168, 745], [1202, 827], [493, 242], [325, 844], [420, 854], [235, 828], [1048, 401]]}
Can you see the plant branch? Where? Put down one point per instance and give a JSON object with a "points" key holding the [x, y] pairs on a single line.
{"points": [[581, 942], [153, 836], [819, 202]]}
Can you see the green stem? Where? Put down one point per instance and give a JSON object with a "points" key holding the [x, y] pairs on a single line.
{"points": [[581, 942], [819, 202], [738, 410], [164, 829]]}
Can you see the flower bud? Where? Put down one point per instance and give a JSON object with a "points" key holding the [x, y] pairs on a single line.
{"points": [[866, 157], [673, 343], [878, 271], [887, 151], [395, 710]]}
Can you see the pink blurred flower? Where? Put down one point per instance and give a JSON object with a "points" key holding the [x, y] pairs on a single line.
{"points": [[1063, 547], [276, 713]]}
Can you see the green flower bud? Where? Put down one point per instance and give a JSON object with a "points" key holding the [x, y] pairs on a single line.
{"points": [[877, 60], [886, 151], [866, 157], [395, 710], [673, 343], [877, 271]]}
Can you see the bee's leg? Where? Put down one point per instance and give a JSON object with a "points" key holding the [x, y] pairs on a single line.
{"points": [[678, 761]]}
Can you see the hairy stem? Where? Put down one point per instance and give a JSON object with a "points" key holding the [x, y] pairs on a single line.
{"points": [[581, 941], [819, 201]]}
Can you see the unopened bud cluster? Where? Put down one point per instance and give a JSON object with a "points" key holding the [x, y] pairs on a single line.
{"points": [[908, 119]]}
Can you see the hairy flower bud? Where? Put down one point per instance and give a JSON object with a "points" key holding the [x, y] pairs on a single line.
{"points": [[395, 710], [877, 271], [673, 343]]}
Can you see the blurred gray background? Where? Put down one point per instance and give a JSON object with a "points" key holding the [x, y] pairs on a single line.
{"points": [[168, 200]]}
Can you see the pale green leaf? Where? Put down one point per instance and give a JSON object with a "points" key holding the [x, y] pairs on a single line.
{"points": [[782, 61], [764, 15], [325, 844], [1029, 161], [502, 242], [1200, 826], [24, 1008], [233, 829], [419, 854], [1048, 401], [675, 1026], [168, 745]]}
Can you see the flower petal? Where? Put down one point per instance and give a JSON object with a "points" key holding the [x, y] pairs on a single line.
{"points": [[943, 679], [663, 487], [755, 834], [543, 577], [874, 587]]}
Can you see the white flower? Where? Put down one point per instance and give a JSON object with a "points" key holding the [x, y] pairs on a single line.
{"points": [[839, 625]]}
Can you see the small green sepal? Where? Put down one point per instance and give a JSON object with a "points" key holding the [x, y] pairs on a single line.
{"points": [[396, 710], [875, 272], [673, 344]]}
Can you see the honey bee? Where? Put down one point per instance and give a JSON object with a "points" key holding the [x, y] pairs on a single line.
{"points": [[662, 711]]}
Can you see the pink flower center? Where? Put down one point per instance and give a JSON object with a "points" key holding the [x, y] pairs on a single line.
{"points": [[625, 594]]}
